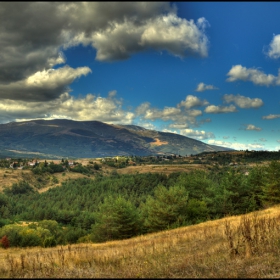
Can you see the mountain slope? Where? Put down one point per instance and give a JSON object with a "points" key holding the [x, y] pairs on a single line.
{"points": [[88, 139]]}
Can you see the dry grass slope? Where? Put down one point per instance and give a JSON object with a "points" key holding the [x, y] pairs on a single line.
{"points": [[245, 246], [10, 176]]}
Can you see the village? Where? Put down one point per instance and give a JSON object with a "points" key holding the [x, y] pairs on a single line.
{"points": [[234, 159]]}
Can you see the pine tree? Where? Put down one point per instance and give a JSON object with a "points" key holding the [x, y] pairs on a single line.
{"points": [[117, 218], [167, 209], [271, 188]]}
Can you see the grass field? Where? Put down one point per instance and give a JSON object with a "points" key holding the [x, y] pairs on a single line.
{"points": [[245, 246], [10, 176], [166, 169]]}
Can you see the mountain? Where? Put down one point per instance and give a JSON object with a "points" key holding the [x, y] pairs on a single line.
{"points": [[90, 139]]}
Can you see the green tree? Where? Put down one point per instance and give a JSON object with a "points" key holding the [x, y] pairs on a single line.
{"points": [[117, 218], [256, 179], [197, 211], [3, 200], [72, 234], [19, 188], [168, 208], [50, 225], [271, 186], [196, 183]]}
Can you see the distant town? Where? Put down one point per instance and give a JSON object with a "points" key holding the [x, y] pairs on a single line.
{"points": [[236, 158]]}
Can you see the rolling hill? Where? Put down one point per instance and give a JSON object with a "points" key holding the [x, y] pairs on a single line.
{"points": [[204, 250], [89, 139]]}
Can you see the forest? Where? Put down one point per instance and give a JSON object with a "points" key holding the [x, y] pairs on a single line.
{"points": [[118, 206]]}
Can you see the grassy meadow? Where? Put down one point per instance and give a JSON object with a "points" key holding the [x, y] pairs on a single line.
{"points": [[245, 246]]}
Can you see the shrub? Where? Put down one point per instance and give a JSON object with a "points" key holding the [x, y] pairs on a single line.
{"points": [[5, 242], [19, 188], [12, 232], [96, 166], [80, 169], [29, 238], [49, 242]]}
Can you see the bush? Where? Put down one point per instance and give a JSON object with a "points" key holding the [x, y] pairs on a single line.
{"points": [[49, 242], [5, 243], [19, 188], [55, 180], [3, 222], [29, 238], [12, 232], [80, 169], [96, 166], [72, 235]]}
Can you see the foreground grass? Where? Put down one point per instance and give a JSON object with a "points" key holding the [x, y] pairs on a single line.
{"points": [[246, 246]]}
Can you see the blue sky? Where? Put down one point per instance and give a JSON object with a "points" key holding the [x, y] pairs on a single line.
{"points": [[205, 70]]}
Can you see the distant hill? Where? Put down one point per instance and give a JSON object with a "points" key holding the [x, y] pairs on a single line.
{"points": [[90, 139]]}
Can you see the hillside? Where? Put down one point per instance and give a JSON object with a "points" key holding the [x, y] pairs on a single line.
{"points": [[89, 139], [245, 246]]}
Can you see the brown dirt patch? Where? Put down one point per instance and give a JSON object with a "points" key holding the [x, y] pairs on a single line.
{"points": [[158, 142]]}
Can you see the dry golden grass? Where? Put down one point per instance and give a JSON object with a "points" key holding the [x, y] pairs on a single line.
{"points": [[166, 169], [245, 246], [61, 178], [10, 176]]}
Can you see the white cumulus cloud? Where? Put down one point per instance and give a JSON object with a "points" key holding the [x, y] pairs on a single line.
{"points": [[196, 134], [252, 127], [182, 114], [274, 47], [238, 72], [270, 117], [203, 87], [43, 85], [243, 101], [91, 107], [236, 145], [192, 101], [213, 109], [178, 126]]}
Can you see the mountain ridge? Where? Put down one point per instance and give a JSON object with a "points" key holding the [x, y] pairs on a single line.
{"points": [[90, 139]]}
